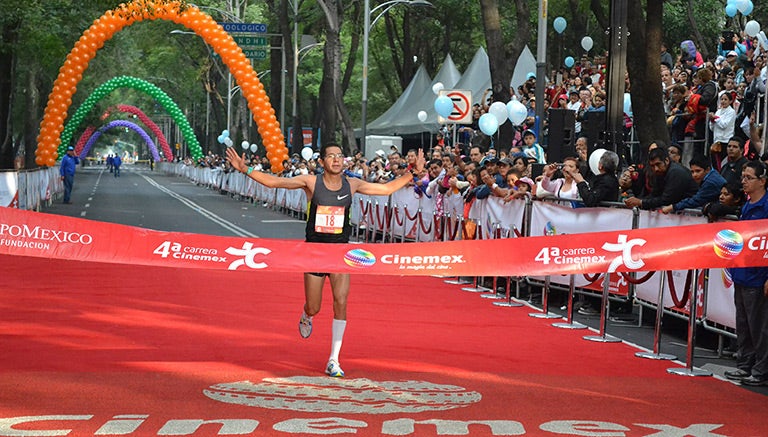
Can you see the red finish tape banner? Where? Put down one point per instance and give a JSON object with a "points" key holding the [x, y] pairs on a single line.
{"points": [[731, 244]]}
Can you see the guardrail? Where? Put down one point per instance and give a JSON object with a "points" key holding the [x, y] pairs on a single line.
{"points": [[408, 216], [29, 189]]}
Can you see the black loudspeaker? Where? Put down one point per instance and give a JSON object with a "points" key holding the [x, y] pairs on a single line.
{"points": [[562, 134], [594, 129]]}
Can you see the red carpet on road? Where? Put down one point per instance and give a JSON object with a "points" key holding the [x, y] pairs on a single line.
{"points": [[96, 349]]}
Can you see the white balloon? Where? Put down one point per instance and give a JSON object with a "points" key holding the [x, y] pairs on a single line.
{"points": [[422, 116], [594, 159], [499, 110], [244, 145], [516, 112], [752, 28], [228, 141], [306, 153], [436, 88], [254, 148], [586, 43]]}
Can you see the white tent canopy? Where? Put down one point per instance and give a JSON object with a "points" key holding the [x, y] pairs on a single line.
{"points": [[418, 93], [402, 117]]}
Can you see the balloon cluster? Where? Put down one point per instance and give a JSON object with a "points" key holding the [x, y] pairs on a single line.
{"points": [[179, 12], [498, 114], [224, 138], [141, 85], [732, 7], [252, 147], [121, 123]]}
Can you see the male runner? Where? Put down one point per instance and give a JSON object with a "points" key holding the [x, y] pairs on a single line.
{"points": [[328, 221]]}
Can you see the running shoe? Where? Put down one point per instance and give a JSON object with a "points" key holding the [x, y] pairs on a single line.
{"points": [[305, 326], [333, 369]]}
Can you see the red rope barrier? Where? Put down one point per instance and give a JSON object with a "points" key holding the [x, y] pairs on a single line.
{"points": [[439, 227], [679, 303], [408, 216], [421, 224], [399, 221], [364, 210], [380, 221], [639, 280], [372, 220], [452, 234]]}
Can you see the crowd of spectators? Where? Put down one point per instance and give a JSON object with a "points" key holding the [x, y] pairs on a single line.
{"points": [[714, 125]]}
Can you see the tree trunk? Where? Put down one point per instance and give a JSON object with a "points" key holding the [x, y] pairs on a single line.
{"points": [[501, 58], [31, 118], [701, 43], [598, 10], [6, 93], [645, 72], [332, 96]]}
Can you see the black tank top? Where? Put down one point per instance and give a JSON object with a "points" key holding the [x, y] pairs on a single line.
{"points": [[329, 212]]}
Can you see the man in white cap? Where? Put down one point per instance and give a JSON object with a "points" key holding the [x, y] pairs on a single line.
{"points": [[67, 172]]}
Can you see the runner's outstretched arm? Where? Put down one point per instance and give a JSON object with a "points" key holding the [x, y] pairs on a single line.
{"points": [[266, 179]]}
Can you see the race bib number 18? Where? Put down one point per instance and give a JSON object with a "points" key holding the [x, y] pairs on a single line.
{"points": [[329, 219]]}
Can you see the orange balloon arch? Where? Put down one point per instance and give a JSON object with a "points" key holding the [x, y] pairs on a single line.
{"points": [[179, 12]]}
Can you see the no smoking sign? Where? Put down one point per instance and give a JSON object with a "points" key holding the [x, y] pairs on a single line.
{"points": [[462, 107]]}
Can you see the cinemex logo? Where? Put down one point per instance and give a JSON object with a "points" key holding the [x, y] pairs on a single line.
{"points": [[19, 236], [728, 244], [422, 262]]}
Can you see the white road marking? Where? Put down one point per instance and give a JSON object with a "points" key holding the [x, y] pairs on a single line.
{"points": [[237, 230]]}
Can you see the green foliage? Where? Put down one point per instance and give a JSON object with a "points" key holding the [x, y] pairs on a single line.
{"points": [[710, 21]]}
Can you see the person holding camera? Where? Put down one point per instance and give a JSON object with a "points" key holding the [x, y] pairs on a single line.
{"points": [[564, 187]]}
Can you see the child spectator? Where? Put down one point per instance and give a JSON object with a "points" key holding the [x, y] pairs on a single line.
{"points": [[729, 203]]}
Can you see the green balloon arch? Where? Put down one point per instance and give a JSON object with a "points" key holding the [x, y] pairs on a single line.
{"points": [[139, 84]]}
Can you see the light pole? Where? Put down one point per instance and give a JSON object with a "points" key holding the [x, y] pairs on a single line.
{"points": [[384, 8]]}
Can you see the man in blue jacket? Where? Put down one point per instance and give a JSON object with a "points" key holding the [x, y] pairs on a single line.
{"points": [[67, 171]]}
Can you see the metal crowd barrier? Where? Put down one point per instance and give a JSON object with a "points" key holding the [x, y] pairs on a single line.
{"points": [[30, 189], [406, 216]]}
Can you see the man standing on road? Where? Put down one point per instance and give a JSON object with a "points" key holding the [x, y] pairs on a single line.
{"points": [[67, 171], [328, 221], [117, 162]]}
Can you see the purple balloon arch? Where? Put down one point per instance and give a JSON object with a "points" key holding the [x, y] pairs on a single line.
{"points": [[120, 123]]}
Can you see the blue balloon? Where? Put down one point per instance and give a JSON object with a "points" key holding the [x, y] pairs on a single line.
{"points": [[225, 133], [731, 10], [559, 24], [569, 62], [628, 104], [488, 123], [444, 106]]}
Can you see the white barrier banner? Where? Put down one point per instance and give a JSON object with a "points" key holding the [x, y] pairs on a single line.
{"points": [[719, 304], [649, 290], [549, 218], [9, 189]]}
